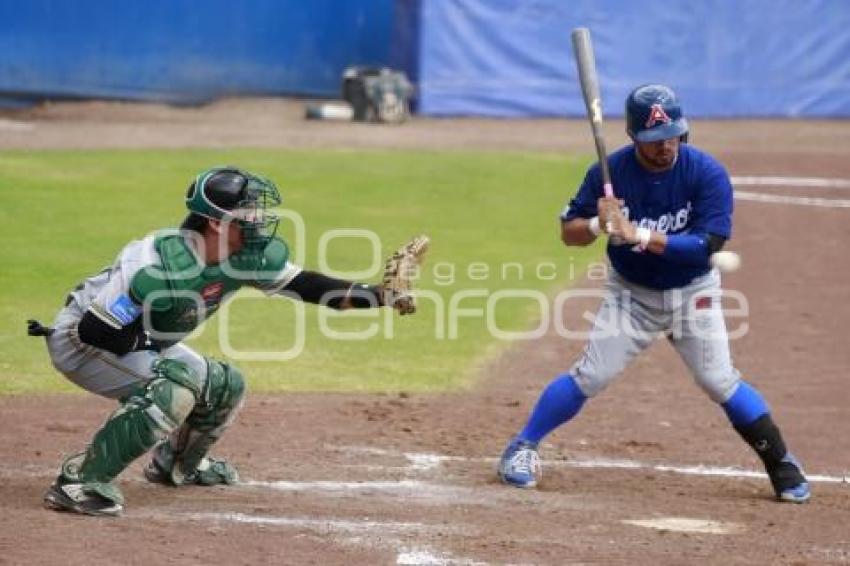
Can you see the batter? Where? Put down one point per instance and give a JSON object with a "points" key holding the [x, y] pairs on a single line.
{"points": [[672, 210]]}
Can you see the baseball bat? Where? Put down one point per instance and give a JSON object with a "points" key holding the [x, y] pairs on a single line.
{"points": [[583, 51]]}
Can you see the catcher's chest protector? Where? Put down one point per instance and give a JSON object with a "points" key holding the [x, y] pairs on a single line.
{"points": [[180, 292]]}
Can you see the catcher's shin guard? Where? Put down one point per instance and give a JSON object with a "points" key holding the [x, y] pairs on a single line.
{"points": [[84, 484], [784, 471], [183, 458]]}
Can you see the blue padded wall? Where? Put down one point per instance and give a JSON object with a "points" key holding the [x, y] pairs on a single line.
{"points": [[186, 50], [726, 58]]}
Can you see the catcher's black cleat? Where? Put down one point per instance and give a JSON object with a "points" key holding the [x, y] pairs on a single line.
{"points": [[79, 498]]}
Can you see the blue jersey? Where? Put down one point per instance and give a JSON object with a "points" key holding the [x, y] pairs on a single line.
{"points": [[694, 197]]}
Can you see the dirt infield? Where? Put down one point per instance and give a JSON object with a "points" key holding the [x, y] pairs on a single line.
{"points": [[649, 473]]}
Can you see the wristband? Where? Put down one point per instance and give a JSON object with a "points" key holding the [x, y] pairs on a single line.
{"points": [[593, 226], [643, 235]]}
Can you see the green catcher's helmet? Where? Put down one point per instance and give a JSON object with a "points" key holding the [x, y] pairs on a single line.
{"points": [[234, 195]]}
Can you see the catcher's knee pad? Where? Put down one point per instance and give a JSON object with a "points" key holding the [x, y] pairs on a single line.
{"points": [[173, 394], [225, 389], [170, 404], [180, 373]]}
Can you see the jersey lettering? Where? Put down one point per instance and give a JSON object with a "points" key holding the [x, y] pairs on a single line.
{"points": [[670, 222]]}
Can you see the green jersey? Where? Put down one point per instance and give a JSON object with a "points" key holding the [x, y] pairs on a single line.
{"points": [[162, 280]]}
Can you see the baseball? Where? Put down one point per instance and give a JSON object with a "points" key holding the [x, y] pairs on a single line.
{"points": [[726, 262]]}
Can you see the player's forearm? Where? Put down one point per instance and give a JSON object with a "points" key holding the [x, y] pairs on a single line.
{"points": [[686, 249], [577, 232], [340, 294]]}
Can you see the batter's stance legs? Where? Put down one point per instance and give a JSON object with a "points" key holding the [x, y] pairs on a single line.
{"points": [[747, 411]]}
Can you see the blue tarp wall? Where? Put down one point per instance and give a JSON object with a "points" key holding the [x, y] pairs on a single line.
{"points": [[186, 50], [724, 57], [507, 58]]}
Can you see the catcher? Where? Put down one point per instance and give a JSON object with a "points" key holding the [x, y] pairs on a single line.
{"points": [[119, 335]]}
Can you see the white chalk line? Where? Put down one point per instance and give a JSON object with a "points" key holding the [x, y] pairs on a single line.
{"points": [[342, 486], [15, 126], [377, 533], [409, 491], [786, 199], [423, 556], [415, 460], [605, 463], [423, 461], [332, 525], [687, 525], [430, 492], [796, 182]]}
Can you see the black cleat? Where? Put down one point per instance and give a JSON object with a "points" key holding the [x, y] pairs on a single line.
{"points": [[77, 498]]}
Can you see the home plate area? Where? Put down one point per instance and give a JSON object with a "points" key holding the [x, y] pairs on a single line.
{"points": [[366, 492], [426, 508]]}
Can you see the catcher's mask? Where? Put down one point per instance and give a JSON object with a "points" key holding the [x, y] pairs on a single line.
{"points": [[653, 113], [234, 195]]}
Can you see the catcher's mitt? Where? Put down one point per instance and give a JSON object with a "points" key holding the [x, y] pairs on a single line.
{"points": [[399, 272]]}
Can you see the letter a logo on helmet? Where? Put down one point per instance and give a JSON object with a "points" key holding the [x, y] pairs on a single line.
{"points": [[653, 113], [656, 115]]}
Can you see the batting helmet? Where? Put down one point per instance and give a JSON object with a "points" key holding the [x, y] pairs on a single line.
{"points": [[653, 113]]}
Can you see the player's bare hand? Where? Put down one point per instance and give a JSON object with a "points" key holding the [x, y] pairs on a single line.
{"points": [[621, 229], [603, 206], [607, 207]]}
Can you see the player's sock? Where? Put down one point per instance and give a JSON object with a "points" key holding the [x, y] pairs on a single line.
{"points": [[560, 401], [745, 406]]}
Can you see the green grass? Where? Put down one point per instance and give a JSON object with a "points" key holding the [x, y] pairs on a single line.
{"points": [[66, 214]]}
